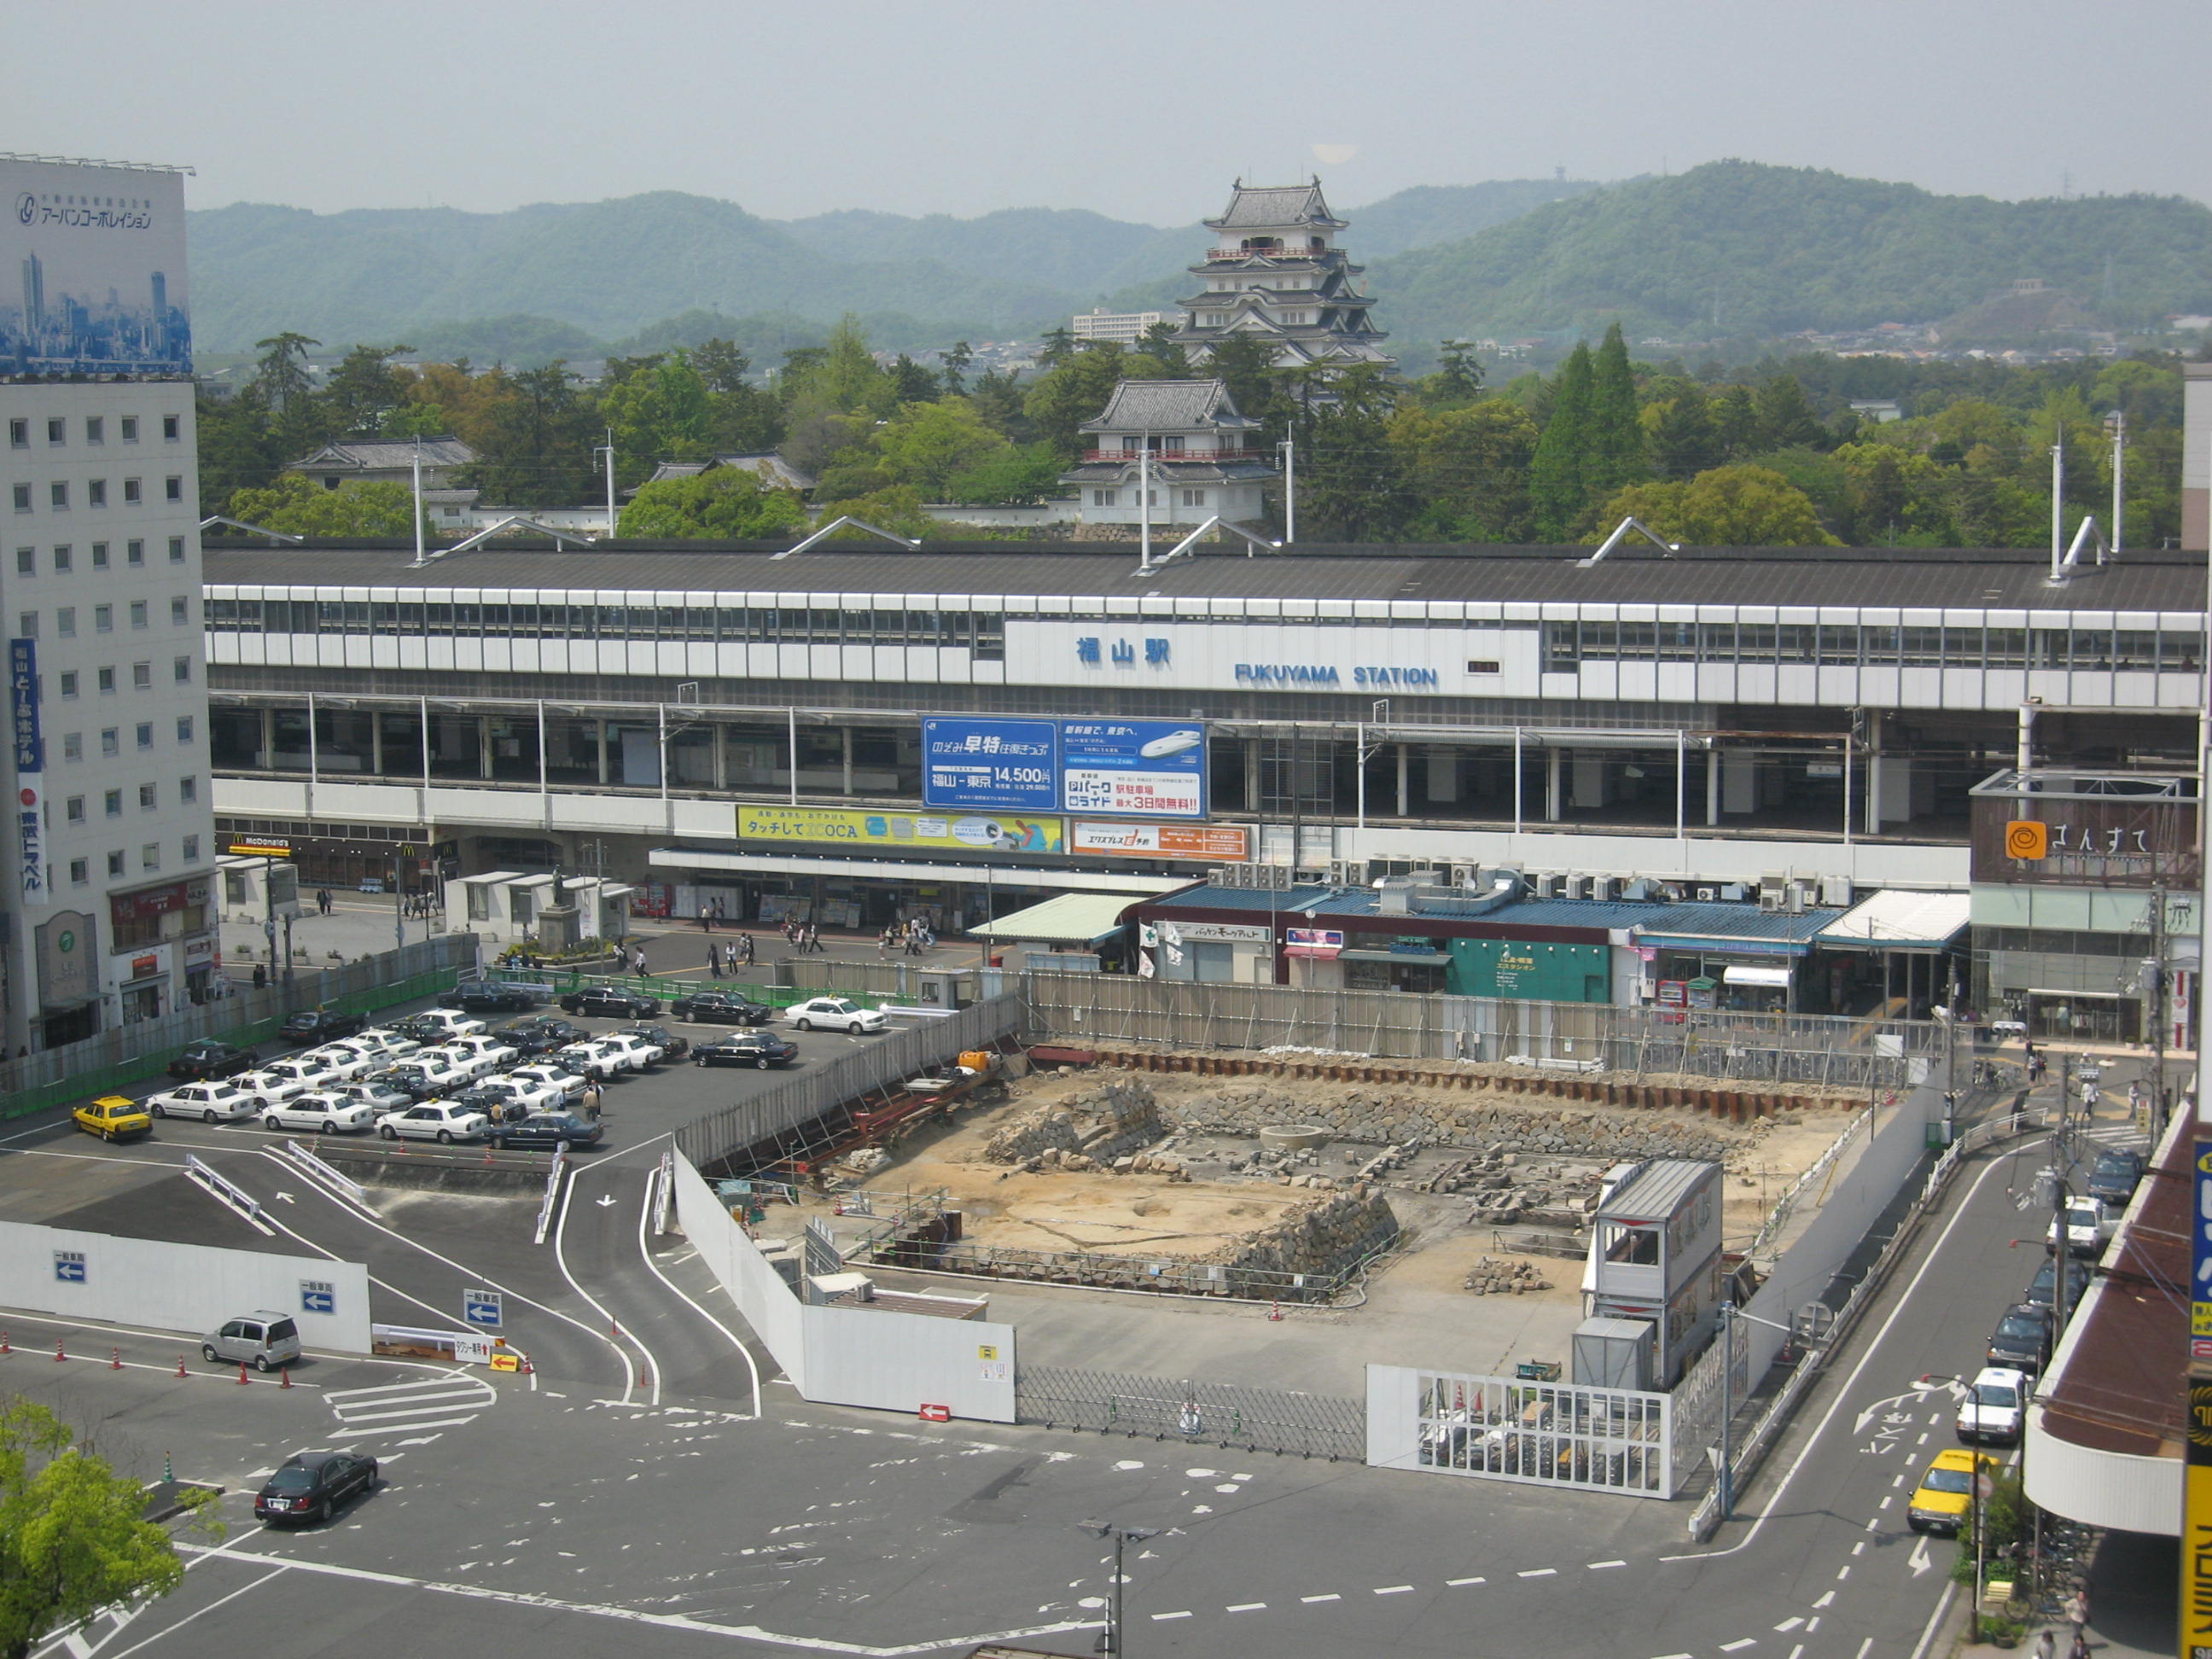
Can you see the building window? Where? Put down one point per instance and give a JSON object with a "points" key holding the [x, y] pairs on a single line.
{"points": [[180, 611], [26, 561], [1194, 498], [115, 864], [188, 791], [192, 849], [58, 494], [139, 615], [129, 428], [19, 435], [149, 797], [95, 492], [176, 550], [110, 741], [172, 488], [114, 802], [80, 872], [134, 552], [22, 495], [56, 431], [95, 429], [27, 624], [171, 427], [145, 735], [61, 557], [133, 493], [184, 728], [184, 671], [103, 619], [100, 556], [72, 745], [141, 676], [69, 682], [108, 681], [65, 622], [1105, 497], [75, 811], [149, 856]]}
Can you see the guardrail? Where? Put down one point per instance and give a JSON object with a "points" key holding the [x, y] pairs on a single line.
{"points": [[312, 1165], [552, 1190], [226, 1191]]}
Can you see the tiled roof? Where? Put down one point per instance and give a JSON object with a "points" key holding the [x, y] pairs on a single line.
{"points": [[375, 455], [1169, 406], [1252, 207]]}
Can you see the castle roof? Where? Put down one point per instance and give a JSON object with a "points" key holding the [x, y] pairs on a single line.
{"points": [[1257, 208], [1169, 406]]}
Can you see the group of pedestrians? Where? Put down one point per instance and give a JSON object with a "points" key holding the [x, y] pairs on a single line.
{"points": [[710, 913], [725, 961], [803, 936], [912, 937]]}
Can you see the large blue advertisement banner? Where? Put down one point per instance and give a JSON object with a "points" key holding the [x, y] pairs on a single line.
{"points": [[2200, 1260], [991, 766], [23, 705], [92, 269], [1133, 768]]}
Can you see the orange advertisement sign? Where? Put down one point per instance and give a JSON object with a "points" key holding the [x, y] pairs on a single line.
{"points": [[1224, 844]]}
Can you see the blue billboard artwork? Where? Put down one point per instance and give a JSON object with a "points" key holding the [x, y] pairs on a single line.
{"points": [[92, 269], [1133, 768], [989, 765]]}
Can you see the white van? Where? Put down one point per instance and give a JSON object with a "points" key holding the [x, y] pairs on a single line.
{"points": [[1994, 1406]]}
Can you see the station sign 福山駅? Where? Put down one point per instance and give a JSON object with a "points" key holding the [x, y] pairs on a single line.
{"points": [[1214, 843], [1128, 769], [987, 832], [100, 251]]}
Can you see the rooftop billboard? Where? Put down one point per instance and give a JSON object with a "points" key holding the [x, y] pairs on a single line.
{"points": [[92, 269]]}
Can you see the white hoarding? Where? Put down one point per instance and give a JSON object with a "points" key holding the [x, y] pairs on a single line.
{"points": [[92, 270]]}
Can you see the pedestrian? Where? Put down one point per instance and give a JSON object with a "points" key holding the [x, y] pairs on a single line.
{"points": [[730, 959], [2091, 1094], [590, 1102], [2077, 1615], [721, 911], [637, 960], [713, 959], [260, 976], [2080, 1650], [706, 920], [2046, 1643], [748, 950], [814, 938]]}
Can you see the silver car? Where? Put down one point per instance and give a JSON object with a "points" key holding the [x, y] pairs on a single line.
{"points": [[260, 1338]]}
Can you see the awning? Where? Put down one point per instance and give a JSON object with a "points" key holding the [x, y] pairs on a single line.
{"points": [[1070, 918], [1737, 974], [1900, 921], [975, 875]]}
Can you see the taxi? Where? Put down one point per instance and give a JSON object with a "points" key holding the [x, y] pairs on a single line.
{"points": [[1946, 1494], [114, 1118]]}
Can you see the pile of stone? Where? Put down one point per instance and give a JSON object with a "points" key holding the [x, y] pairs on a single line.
{"points": [[1098, 1125], [1383, 1117], [1323, 1236], [1492, 1277]]}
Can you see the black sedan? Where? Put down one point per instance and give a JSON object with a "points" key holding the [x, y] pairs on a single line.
{"points": [[720, 1008], [2112, 1180], [318, 1026], [479, 999], [404, 1078], [673, 1047], [611, 1001], [761, 1049], [2045, 1285], [2021, 1339], [311, 1486], [540, 1034], [210, 1059], [495, 1102], [548, 1130]]}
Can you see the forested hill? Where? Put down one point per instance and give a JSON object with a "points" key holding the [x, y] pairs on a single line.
{"points": [[1778, 250]]}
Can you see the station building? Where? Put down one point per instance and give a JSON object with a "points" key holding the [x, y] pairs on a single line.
{"points": [[1789, 728]]}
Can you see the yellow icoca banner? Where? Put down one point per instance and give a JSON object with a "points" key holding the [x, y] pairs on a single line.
{"points": [[999, 832]]}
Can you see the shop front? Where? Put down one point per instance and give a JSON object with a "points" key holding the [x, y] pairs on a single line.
{"points": [[1526, 970]]}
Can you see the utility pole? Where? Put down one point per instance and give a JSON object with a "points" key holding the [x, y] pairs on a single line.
{"points": [[398, 899], [1290, 491], [607, 449], [1144, 502], [2155, 985], [418, 501], [2118, 422], [1110, 1642]]}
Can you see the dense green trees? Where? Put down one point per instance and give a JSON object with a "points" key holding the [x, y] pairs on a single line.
{"points": [[725, 503]]}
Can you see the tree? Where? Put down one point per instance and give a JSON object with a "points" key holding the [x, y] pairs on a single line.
{"points": [[907, 382], [897, 509], [1469, 469], [1458, 379], [1159, 343], [956, 363], [1009, 477], [999, 400], [847, 378], [1679, 435], [1059, 348], [928, 445], [365, 392], [296, 506], [1615, 455], [72, 1535], [1353, 486], [1557, 491], [725, 503], [722, 364], [534, 440], [1727, 507], [1783, 417], [659, 412], [1076, 391], [1245, 365], [281, 379]]}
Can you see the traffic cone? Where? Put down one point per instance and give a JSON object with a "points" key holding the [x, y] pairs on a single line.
{"points": [[1275, 1313], [244, 1380], [527, 1368], [58, 1355], [115, 1359], [4, 1348], [181, 1372]]}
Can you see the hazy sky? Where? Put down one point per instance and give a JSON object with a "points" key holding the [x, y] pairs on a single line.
{"points": [[1133, 108]]}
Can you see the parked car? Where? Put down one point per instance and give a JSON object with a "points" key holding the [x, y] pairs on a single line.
{"points": [[497, 1106], [1992, 1408], [480, 997], [442, 1121], [467, 1064], [540, 1034], [2021, 1340], [439, 1024], [551, 1075], [548, 1130], [644, 1052], [424, 1077], [269, 1087], [611, 1001], [325, 1113], [2113, 1178], [485, 1046], [672, 1047], [1945, 1493], [2044, 1286], [114, 1117], [305, 1068], [596, 1059], [210, 1102], [261, 1339], [312, 1025], [2089, 1228], [761, 1049], [379, 1097], [522, 1095], [720, 1008], [835, 1014], [211, 1059], [311, 1485], [380, 1042], [342, 1061]]}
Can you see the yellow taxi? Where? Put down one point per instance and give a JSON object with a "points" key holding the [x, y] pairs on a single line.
{"points": [[1946, 1494], [114, 1118]]}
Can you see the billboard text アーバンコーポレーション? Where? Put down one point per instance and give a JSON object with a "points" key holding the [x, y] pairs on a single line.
{"points": [[92, 269]]}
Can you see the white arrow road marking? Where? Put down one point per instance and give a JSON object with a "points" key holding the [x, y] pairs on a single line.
{"points": [[1919, 1561], [288, 1198], [606, 1199]]}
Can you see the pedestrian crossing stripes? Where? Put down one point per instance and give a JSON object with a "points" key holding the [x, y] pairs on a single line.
{"points": [[441, 1402]]}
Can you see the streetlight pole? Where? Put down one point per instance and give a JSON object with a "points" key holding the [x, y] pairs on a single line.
{"points": [[1110, 1642]]}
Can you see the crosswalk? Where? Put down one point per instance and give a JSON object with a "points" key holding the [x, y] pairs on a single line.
{"points": [[407, 1409]]}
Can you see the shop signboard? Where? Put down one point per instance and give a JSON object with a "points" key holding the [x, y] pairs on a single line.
{"points": [[1526, 971], [1213, 932], [1213, 844], [101, 254], [971, 832], [1010, 766], [68, 968], [1317, 942], [1130, 769]]}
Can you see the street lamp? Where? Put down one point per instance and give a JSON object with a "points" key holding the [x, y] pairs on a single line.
{"points": [[1110, 1642]]}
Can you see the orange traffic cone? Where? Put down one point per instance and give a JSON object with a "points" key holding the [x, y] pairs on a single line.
{"points": [[243, 1379], [115, 1359], [4, 1348], [181, 1372], [1275, 1312], [58, 1355]]}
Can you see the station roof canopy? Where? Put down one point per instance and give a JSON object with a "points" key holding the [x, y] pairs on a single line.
{"points": [[1070, 918], [1900, 921]]}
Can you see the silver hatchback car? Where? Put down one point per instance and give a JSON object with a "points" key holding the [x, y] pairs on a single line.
{"points": [[260, 1338]]}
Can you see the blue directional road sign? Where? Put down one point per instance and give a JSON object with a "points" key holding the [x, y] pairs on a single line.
{"points": [[480, 1309], [69, 1266], [318, 1296]]}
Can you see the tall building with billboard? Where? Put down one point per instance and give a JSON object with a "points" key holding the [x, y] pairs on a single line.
{"points": [[109, 914]]}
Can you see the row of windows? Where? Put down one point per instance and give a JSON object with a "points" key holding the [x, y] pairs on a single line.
{"points": [[1113, 497], [71, 680], [150, 800], [110, 739], [103, 618], [1567, 644], [96, 492], [149, 858], [63, 558], [983, 634], [96, 430]]}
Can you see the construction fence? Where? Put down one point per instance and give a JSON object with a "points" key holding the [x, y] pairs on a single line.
{"points": [[76, 1072], [1766, 1048], [1219, 1414]]}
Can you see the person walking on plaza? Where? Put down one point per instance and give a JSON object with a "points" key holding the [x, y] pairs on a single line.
{"points": [[730, 959], [2077, 1615], [814, 940], [713, 959], [748, 950], [637, 960], [591, 1101]]}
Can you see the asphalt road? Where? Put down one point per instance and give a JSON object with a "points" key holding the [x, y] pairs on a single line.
{"points": [[632, 1492]]}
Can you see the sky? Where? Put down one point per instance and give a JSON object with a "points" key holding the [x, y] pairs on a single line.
{"points": [[1135, 109]]}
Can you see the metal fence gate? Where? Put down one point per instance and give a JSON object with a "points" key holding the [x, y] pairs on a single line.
{"points": [[1197, 1413]]}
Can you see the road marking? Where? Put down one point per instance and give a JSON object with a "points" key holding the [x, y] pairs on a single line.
{"points": [[1843, 1572], [1157, 1616], [1600, 1566], [645, 1249], [1394, 1589], [1247, 1606], [1320, 1598], [1737, 1646], [1540, 1572], [1884, 1504], [1868, 1642], [245, 1589], [1859, 1548], [1812, 1623], [1872, 1523], [1918, 1561], [1456, 1583], [1788, 1625], [1827, 1596], [1923, 1438], [1898, 1482], [1794, 1652]]}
